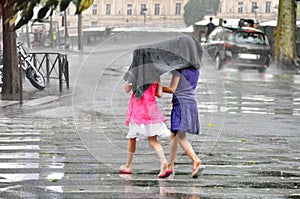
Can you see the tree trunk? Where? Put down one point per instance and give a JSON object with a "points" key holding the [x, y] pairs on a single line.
{"points": [[285, 34], [11, 77], [79, 30]]}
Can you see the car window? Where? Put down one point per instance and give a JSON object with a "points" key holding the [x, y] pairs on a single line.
{"points": [[227, 35], [250, 37], [212, 35], [219, 35], [215, 34]]}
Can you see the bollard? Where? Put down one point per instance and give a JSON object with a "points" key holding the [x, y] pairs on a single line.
{"points": [[20, 78], [47, 68], [60, 71]]}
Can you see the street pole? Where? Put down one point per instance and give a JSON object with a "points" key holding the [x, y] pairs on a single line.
{"points": [[79, 32], [255, 11], [66, 27], [51, 32], [28, 35], [145, 12]]}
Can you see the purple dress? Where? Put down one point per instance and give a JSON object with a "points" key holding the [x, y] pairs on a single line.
{"points": [[184, 115]]}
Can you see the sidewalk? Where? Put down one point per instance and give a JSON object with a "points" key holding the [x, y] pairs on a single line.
{"points": [[34, 97], [36, 101]]}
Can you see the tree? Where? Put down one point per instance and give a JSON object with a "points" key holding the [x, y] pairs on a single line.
{"points": [[10, 66], [298, 11], [15, 14], [195, 10], [285, 34]]}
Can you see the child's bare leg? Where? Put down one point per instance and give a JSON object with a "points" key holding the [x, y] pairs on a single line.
{"points": [[130, 153], [173, 151], [188, 149], [160, 152]]}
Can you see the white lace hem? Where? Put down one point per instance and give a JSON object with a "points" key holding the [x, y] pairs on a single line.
{"points": [[143, 131]]}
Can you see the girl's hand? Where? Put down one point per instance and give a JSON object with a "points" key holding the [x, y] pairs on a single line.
{"points": [[128, 87], [173, 85]]}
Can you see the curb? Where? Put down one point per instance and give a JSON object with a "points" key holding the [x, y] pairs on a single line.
{"points": [[34, 102]]}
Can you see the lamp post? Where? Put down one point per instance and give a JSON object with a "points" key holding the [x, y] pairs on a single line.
{"points": [[255, 8], [66, 27], [144, 13]]}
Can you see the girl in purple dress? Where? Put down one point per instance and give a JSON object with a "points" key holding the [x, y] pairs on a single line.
{"points": [[184, 115], [145, 120]]}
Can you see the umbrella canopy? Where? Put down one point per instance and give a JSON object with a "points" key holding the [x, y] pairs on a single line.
{"points": [[151, 61]]}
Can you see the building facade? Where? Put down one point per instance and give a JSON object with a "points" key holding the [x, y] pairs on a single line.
{"points": [[120, 13], [262, 10], [165, 13]]}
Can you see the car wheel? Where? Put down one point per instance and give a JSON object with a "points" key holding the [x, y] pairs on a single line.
{"points": [[218, 62], [261, 70]]}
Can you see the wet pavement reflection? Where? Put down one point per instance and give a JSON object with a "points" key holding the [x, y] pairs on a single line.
{"points": [[262, 94]]}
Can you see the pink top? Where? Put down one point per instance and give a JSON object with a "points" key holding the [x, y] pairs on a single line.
{"points": [[144, 110]]}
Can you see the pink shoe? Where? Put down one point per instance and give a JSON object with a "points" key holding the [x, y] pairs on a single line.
{"points": [[124, 170], [166, 174]]}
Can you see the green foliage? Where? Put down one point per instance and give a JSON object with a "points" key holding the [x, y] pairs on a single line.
{"points": [[195, 10], [64, 5], [47, 7], [298, 11]]}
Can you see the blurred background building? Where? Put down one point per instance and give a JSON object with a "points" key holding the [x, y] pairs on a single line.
{"points": [[122, 13], [262, 10], [102, 17], [166, 13]]}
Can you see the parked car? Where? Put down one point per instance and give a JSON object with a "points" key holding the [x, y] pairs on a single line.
{"points": [[242, 48]]}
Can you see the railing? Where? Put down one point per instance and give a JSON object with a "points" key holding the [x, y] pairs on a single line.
{"points": [[52, 66]]}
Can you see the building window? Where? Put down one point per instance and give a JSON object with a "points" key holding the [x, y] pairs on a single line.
{"points": [[143, 7], [129, 9], [156, 9], [108, 6], [268, 7], [178, 9], [254, 7], [240, 7], [94, 9], [94, 23]]}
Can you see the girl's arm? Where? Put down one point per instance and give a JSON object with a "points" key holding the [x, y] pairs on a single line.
{"points": [[159, 89], [127, 87], [173, 85]]}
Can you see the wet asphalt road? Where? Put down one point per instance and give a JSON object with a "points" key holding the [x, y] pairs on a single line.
{"points": [[72, 147]]}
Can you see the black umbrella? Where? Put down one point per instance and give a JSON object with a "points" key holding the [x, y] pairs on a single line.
{"points": [[151, 61]]}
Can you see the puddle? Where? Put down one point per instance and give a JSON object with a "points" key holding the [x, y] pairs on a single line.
{"points": [[15, 165], [20, 147], [58, 189], [18, 177], [20, 155], [253, 94]]}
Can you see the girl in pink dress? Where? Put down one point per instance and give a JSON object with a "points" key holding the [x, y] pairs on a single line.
{"points": [[145, 120]]}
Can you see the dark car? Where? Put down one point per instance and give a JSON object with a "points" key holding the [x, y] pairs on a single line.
{"points": [[242, 48]]}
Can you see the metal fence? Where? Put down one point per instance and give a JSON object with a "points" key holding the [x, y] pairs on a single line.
{"points": [[52, 66]]}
